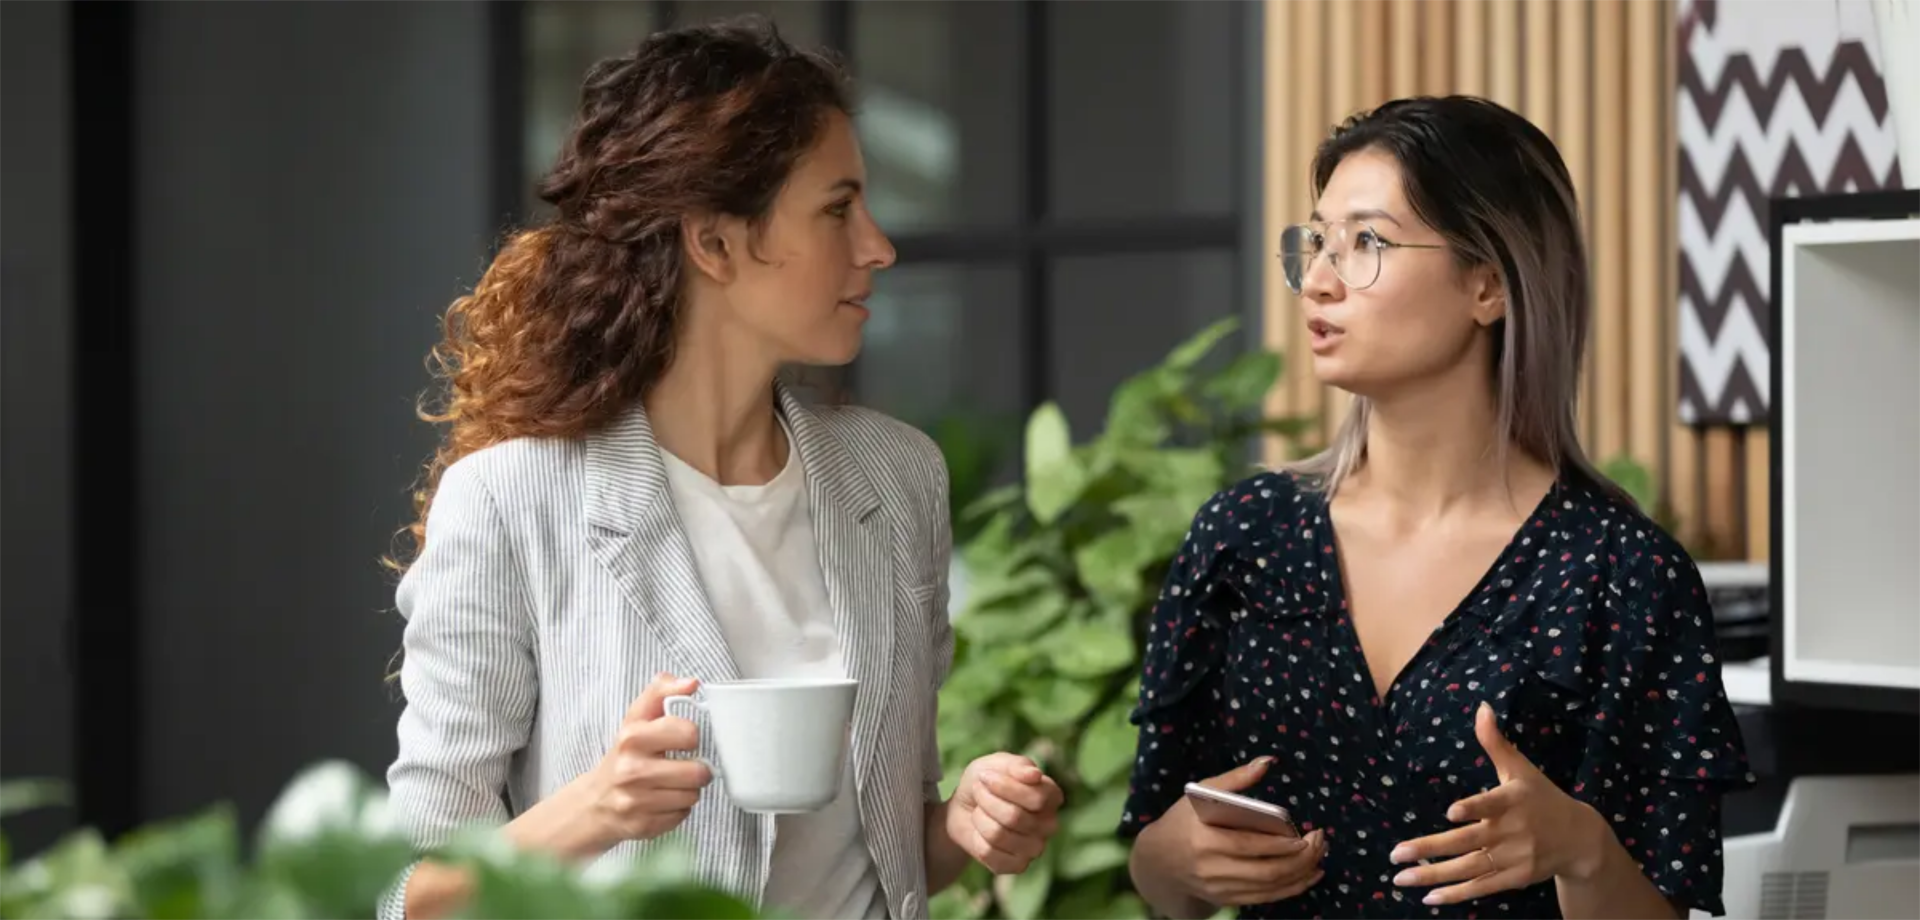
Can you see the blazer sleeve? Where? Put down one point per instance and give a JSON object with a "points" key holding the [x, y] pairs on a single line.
{"points": [[941, 625], [467, 672]]}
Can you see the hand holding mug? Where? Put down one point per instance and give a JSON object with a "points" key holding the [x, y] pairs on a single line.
{"points": [[1226, 867], [1003, 812], [636, 791]]}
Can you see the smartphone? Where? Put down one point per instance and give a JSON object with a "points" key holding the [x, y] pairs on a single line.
{"points": [[1225, 809]]}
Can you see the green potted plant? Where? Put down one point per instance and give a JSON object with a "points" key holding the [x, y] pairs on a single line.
{"points": [[1063, 568], [327, 848]]}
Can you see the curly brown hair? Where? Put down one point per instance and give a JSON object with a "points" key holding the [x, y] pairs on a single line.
{"points": [[577, 318]]}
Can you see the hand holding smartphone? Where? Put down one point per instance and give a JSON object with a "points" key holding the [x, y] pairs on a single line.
{"points": [[1238, 812]]}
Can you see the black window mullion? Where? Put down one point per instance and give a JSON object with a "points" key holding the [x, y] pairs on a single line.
{"points": [[836, 27], [103, 630], [1033, 266], [507, 46]]}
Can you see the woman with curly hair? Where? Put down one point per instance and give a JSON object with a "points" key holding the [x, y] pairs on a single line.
{"points": [[626, 492]]}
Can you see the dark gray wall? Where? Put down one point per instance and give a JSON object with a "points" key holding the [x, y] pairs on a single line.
{"points": [[36, 315], [313, 184]]}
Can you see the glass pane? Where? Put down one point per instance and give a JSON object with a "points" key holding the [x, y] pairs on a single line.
{"points": [[1115, 316], [943, 349], [939, 84], [1144, 107], [800, 21], [564, 39]]}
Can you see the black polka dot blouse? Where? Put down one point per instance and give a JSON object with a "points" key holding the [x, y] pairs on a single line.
{"points": [[1591, 637]]}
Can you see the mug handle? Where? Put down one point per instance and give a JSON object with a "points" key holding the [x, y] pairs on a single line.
{"points": [[695, 709]]}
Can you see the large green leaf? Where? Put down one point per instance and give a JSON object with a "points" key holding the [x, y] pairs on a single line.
{"points": [[1024, 896], [1087, 857], [1128, 906], [1632, 476], [1054, 477], [1088, 650], [1186, 473], [18, 795], [187, 867], [682, 900], [1110, 564], [1189, 353], [1108, 745], [1098, 817], [1136, 416], [1008, 622], [960, 902], [1243, 384], [1058, 702], [1018, 589], [1084, 898], [79, 876]]}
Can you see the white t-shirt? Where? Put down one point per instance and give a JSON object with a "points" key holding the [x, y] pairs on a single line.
{"points": [[755, 551]]}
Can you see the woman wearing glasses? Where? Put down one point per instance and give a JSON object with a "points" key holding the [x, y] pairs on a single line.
{"points": [[1478, 678]]}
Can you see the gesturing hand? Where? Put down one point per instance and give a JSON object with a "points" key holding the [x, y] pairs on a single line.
{"points": [[1003, 811], [1519, 833], [637, 792]]}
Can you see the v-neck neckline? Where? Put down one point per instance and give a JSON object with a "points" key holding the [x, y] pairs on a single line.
{"points": [[1345, 621]]}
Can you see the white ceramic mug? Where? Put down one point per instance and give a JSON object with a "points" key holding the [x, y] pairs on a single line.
{"points": [[780, 746]]}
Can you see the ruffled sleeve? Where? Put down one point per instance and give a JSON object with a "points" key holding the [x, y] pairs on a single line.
{"points": [[1670, 746], [1180, 678]]}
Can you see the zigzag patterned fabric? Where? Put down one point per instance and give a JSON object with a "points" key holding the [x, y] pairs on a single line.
{"points": [[1775, 99]]}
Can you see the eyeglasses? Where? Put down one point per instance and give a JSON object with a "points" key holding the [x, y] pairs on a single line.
{"points": [[1352, 246]]}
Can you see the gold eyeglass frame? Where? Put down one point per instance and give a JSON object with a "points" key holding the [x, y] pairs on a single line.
{"points": [[1381, 245]]}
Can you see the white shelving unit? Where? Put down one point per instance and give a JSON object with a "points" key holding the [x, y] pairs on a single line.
{"points": [[1849, 304]]}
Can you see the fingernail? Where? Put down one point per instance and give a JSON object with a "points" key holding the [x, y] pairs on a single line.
{"points": [[1401, 854], [1486, 706], [1454, 813], [1263, 762], [1405, 878], [1433, 897]]}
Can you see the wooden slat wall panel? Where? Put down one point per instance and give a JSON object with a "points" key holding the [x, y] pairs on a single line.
{"points": [[1598, 76], [1503, 65], [1647, 303], [1403, 47], [1608, 243], [1311, 119], [1343, 99], [1283, 189], [1573, 105]]}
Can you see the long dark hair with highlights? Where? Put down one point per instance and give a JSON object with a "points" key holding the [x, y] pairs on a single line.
{"points": [[576, 318]]}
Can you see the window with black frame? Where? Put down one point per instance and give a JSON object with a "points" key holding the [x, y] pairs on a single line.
{"points": [[1063, 181]]}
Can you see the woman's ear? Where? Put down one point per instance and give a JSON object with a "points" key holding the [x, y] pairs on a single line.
{"points": [[1489, 296], [704, 238]]}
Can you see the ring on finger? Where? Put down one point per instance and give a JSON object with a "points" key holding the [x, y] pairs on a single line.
{"points": [[1493, 865]]}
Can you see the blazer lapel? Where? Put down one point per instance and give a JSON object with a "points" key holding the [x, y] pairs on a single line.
{"points": [[636, 533], [856, 557]]}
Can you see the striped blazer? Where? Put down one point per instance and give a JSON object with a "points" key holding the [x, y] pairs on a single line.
{"points": [[556, 580]]}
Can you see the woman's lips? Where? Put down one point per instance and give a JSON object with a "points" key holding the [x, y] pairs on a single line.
{"points": [[1323, 335]]}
